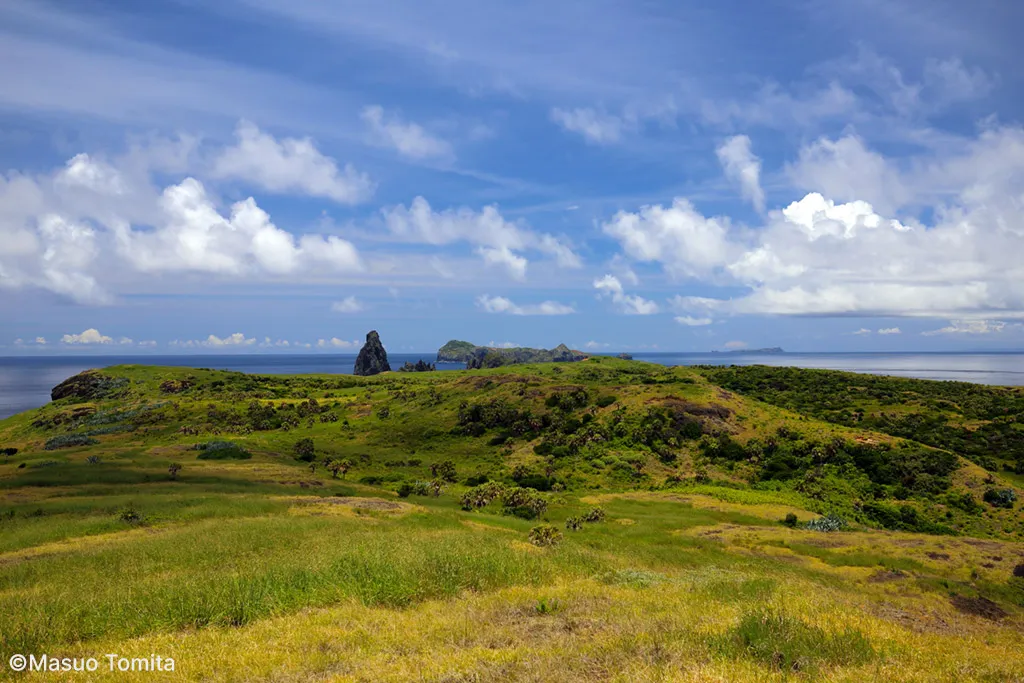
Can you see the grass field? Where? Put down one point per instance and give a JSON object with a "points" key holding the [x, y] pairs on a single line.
{"points": [[353, 557]]}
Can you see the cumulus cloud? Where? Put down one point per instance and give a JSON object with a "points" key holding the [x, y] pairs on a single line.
{"points": [[74, 231], [610, 287], [347, 305], [215, 342], [969, 327], [409, 139], [690, 321], [497, 241], [819, 256], [743, 168], [90, 336], [889, 330], [499, 304], [336, 343], [289, 165], [594, 126], [194, 236], [41, 341]]}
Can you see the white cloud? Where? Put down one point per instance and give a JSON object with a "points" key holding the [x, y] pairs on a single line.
{"points": [[742, 167], [41, 341], [289, 165], [969, 327], [630, 304], [90, 336], [846, 171], [347, 305], [684, 241], [861, 332], [194, 236], [690, 321], [214, 342], [81, 170], [409, 139], [502, 345], [593, 345], [499, 304], [889, 330], [736, 345], [336, 343], [125, 341], [497, 241], [147, 343], [818, 256], [594, 126]]}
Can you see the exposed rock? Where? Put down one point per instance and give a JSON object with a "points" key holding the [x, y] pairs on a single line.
{"points": [[418, 366], [625, 356], [87, 385], [372, 358]]}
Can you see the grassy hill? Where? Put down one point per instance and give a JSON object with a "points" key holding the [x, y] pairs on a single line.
{"points": [[602, 520]]}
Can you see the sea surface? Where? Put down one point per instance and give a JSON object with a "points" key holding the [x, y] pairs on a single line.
{"points": [[25, 383]]}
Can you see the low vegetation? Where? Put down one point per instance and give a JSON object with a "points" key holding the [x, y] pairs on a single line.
{"points": [[499, 525]]}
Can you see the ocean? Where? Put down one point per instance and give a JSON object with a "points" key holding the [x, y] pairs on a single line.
{"points": [[25, 382]]}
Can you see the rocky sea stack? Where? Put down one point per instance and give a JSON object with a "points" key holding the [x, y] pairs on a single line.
{"points": [[372, 358]]}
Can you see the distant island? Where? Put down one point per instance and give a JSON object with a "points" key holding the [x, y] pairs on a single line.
{"points": [[770, 349], [474, 356]]}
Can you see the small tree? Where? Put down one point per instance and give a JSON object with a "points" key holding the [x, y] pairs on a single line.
{"points": [[8, 452], [304, 450], [445, 471], [343, 467], [173, 470], [312, 467]]}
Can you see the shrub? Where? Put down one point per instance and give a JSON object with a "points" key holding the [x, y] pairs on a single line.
{"points": [[523, 503], [543, 448], [173, 470], [498, 440], [445, 471], [545, 535], [476, 480], [605, 401], [1000, 498], [221, 450], [790, 520], [93, 460], [594, 515], [68, 441], [417, 488], [304, 450], [828, 523], [574, 523], [8, 452], [129, 515]]}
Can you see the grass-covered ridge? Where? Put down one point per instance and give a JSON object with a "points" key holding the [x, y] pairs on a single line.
{"points": [[538, 498]]}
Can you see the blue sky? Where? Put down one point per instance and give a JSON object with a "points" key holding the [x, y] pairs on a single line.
{"points": [[252, 175]]}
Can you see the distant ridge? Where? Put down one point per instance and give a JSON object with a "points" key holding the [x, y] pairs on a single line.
{"points": [[770, 349], [473, 356]]}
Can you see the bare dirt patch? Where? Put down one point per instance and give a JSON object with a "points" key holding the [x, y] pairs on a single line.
{"points": [[982, 607], [887, 575], [937, 556]]}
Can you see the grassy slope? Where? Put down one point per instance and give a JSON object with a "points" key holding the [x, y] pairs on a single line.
{"points": [[701, 577]]}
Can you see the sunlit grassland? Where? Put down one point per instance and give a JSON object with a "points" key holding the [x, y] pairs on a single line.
{"points": [[269, 569]]}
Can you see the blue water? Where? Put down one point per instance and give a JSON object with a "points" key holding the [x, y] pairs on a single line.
{"points": [[25, 383]]}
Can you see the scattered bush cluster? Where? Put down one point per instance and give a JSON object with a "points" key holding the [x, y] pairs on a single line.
{"points": [[68, 441], [221, 450], [545, 535]]}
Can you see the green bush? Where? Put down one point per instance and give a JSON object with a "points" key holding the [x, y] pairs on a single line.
{"points": [[790, 520], [574, 523], [828, 523], [545, 536], [605, 401], [594, 515], [221, 450], [68, 441], [1000, 498], [304, 450]]}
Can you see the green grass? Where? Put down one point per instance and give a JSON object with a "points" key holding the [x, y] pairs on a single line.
{"points": [[690, 568]]}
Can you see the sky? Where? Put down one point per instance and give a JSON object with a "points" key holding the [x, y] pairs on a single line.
{"points": [[180, 176]]}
